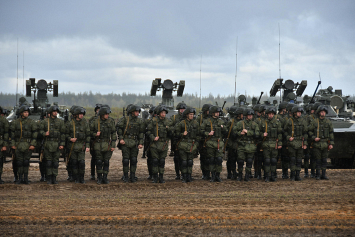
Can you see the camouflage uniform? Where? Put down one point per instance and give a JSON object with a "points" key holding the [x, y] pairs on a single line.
{"points": [[214, 143], [270, 143], [159, 127], [188, 144], [246, 144], [23, 135], [147, 143], [204, 160], [296, 128], [92, 153], [321, 128], [79, 129], [104, 143], [131, 130], [4, 138], [259, 156], [55, 139]]}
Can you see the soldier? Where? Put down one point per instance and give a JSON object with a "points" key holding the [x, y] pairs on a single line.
{"points": [[174, 120], [296, 134], [147, 142], [213, 130], [67, 143], [42, 161], [188, 132], [130, 132], [247, 132], [23, 141], [282, 117], [92, 152], [103, 129], [79, 141], [4, 138], [231, 142], [259, 158], [204, 160], [322, 134], [54, 132], [312, 117], [158, 130], [271, 132]]}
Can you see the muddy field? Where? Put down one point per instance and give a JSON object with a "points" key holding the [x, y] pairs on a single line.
{"points": [[229, 208]]}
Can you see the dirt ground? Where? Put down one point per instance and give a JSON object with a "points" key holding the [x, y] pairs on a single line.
{"points": [[199, 208]]}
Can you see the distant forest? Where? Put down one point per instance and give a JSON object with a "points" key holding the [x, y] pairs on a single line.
{"points": [[89, 99]]}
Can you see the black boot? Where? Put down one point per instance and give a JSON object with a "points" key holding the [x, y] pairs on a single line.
{"points": [[259, 175], [273, 177], [82, 180], [298, 178], [155, 178], [188, 178], [184, 178], [99, 179], [203, 174], [1, 181], [25, 178], [313, 174], [305, 173], [177, 177], [324, 175], [240, 176], [318, 174], [292, 175], [161, 178], [54, 179], [213, 177], [19, 180], [105, 180], [49, 179], [125, 177], [218, 178], [267, 178], [285, 174], [246, 178], [150, 177], [234, 175], [43, 178], [133, 177], [15, 178], [250, 175], [73, 178], [92, 177], [229, 174]]}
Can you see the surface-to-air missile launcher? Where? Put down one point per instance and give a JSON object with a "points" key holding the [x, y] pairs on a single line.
{"points": [[168, 87], [38, 106]]}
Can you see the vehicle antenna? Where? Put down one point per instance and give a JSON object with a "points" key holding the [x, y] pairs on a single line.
{"points": [[17, 74], [199, 104], [23, 75], [280, 60], [236, 64]]}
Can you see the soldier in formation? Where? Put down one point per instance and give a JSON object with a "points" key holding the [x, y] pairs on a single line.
{"points": [[4, 138]]}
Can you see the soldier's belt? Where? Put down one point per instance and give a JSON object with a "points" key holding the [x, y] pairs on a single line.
{"points": [[271, 139], [23, 140], [324, 140], [214, 139], [249, 142], [164, 139], [53, 139], [131, 137], [103, 140], [188, 140]]}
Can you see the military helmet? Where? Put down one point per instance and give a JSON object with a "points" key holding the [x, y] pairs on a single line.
{"points": [[233, 110], [206, 107], [262, 108], [215, 109], [316, 105], [296, 109], [79, 110], [151, 109], [160, 108], [104, 110], [248, 112], [239, 111], [307, 107], [322, 108], [53, 108], [181, 105], [256, 107], [3, 111], [283, 105], [24, 108], [72, 109], [133, 108], [97, 106], [188, 110], [270, 110], [289, 106]]}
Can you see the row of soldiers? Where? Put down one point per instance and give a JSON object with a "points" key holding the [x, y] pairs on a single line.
{"points": [[259, 135]]}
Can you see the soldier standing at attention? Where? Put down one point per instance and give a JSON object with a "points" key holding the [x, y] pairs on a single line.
{"points": [[130, 132], [158, 130], [92, 152], [248, 133], [103, 129], [175, 119], [147, 142], [322, 134], [271, 132], [79, 142], [188, 132], [282, 117], [213, 130], [231, 141], [54, 132], [204, 160], [313, 116], [23, 141], [296, 134], [4, 138]]}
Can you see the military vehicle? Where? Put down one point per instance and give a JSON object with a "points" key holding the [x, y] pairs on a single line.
{"points": [[168, 87]]}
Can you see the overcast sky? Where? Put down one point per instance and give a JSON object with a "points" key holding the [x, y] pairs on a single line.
{"points": [[121, 46]]}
